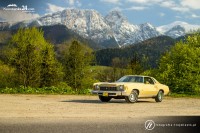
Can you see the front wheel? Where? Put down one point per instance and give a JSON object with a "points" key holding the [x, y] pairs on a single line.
{"points": [[104, 99], [159, 96], [132, 98]]}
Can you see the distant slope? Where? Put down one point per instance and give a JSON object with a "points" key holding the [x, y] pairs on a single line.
{"points": [[58, 34], [55, 34], [151, 48]]}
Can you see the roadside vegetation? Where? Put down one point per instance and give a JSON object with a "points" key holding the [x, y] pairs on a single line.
{"points": [[179, 68], [31, 65]]}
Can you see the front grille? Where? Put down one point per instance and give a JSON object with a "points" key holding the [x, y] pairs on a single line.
{"points": [[109, 94], [108, 88]]}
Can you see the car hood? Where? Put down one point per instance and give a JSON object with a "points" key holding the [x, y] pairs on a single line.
{"points": [[113, 84]]}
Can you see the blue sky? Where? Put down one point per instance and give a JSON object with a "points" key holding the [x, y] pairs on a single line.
{"points": [[156, 12]]}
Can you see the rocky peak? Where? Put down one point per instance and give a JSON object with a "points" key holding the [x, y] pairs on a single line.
{"points": [[115, 16]]}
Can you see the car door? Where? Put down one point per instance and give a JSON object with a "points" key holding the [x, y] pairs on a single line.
{"points": [[150, 89]]}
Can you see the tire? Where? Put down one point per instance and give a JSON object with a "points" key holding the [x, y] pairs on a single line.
{"points": [[159, 96], [104, 99], [132, 98]]}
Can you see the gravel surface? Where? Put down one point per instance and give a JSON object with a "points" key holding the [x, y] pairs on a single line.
{"points": [[85, 111], [70, 106]]}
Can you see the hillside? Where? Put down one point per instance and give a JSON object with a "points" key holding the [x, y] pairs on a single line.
{"points": [[56, 34], [152, 49]]}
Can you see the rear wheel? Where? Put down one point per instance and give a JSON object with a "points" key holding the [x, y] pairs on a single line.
{"points": [[104, 99], [132, 98], [159, 96]]}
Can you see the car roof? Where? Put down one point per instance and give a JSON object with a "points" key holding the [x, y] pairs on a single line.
{"points": [[144, 76], [137, 75]]}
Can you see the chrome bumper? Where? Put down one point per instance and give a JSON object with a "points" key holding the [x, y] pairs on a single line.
{"points": [[110, 93]]}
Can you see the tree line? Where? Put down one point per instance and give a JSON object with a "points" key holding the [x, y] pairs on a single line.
{"points": [[149, 50], [30, 61]]}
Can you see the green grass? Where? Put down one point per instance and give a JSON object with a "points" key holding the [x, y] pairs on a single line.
{"points": [[44, 90], [176, 95], [68, 91]]}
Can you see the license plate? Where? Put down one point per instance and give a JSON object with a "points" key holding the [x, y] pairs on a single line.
{"points": [[105, 94]]}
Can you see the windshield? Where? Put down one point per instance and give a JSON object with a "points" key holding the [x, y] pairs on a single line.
{"points": [[136, 79]]}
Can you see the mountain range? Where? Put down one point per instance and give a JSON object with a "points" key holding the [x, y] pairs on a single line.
{"points": [[113, 30]]}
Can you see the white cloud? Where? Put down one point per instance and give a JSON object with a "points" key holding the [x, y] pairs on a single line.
{"points": [[174, 6], [74, 3], [117, 9], [168, 4], [162, 14], [195, 16], [145, 2], [71, 2], [16, 16], [137, 1], [117, 2], [193, 4], [137, 8], [180, 9], [53, 8]]}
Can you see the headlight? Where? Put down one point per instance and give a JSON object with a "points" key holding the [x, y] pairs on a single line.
{"points": [[121, 88], [96, 87]]}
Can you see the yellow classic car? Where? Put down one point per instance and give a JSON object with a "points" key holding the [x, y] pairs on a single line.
{"points": [[130, 88]]}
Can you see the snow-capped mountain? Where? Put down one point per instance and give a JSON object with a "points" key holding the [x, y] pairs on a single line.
{"points": [[110, 31], [126, 33], [114, 28], [148, 31], [87, 23], [177, 29]]}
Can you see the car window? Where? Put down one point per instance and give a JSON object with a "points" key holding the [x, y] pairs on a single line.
{"points": [[149, 80], [136, 79]]}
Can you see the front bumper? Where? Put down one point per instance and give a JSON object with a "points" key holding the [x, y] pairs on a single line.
{"points": [[110, 93]]}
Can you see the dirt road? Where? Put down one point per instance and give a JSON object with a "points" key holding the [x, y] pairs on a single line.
{"points": [[57, 108], [70, 106]]}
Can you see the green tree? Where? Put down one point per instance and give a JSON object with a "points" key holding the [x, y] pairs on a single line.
{"points": [[134, 65], [7, 76], [105, 75], [25, 55], [51, 69], [116, 64], [119, 68], [32, 57], [76, 60], [180, 67]]}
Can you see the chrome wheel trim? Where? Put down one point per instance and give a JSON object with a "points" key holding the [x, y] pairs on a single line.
{"points": [[160, 95], [132, 97]]}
